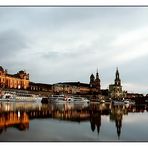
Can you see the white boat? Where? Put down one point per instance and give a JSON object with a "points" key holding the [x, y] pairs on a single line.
{"points": [[129, 102], [7, 97], [22, 97], [64, 100], [72, 99], [116, 102], [18, 97]]}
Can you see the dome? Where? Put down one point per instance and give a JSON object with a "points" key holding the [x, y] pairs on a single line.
{"points": [[21, 72], [92, 76], [1, 68]]}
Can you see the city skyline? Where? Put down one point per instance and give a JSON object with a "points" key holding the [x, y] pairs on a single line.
{"points": [[60, 44]]}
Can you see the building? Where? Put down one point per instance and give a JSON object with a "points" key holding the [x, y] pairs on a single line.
{"points": [[115, 90], [71, 88], [40, 88], [19, 80], [95, 87]]}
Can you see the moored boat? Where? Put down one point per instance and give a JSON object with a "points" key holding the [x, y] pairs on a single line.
{"points": [[68, 99], [117, 102], [18, 97]]}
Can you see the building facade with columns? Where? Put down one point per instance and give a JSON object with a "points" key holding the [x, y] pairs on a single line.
{"points": [[19, 80]]}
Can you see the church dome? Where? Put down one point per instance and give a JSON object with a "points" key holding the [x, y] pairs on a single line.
{"points": [[1, 68], [92, 76], [21, 71]]}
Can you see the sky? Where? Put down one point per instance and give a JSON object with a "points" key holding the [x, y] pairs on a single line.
{"points": [[62, 44]]}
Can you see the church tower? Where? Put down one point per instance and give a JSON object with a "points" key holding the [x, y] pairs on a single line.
{"points": [[115, 89], [92, 81], [97, 82], [117, 78]]}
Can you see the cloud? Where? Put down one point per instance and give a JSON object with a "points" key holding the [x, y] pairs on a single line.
{"points": [[11, 44], [68, 44]]}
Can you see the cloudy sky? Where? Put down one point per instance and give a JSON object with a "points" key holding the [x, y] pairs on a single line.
{"points": [[58, 44]]}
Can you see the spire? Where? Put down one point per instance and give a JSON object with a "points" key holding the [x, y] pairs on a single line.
{"points": [[117, 73], [117, 78], [97, 75]]}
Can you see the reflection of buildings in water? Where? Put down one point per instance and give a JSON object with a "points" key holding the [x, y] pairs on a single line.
{"points": [[116, 115], [19, 120], [71, 115], [70, 112], [14, 106], [95, 121]]}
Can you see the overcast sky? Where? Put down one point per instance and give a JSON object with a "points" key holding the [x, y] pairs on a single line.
{"points": [[59, 44]]}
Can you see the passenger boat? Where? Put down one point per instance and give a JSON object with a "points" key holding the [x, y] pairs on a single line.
{"points": [[122, 102], [64, 100], [7, 97], [22, 97], [117, 102], [129, 102], [72, 99], [18, 97]]}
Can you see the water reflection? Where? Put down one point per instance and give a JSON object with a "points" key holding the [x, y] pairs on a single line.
{"points": [[18, 115], [17, 120], [117, 116], [95, 120]]}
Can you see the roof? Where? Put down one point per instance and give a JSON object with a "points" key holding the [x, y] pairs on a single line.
{"points": [[21, 71], [40, 84], [92, 76], [74, 84], [1, 68]]}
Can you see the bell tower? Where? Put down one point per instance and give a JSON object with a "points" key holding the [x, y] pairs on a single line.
{"points": [[117, 78], [97, 82], [92, 80]]}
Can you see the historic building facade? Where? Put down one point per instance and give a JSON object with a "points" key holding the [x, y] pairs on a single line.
{"points": [[19, 80], [40, 88], [115, 90], [91, 88], [71, 88], [95, 87]]}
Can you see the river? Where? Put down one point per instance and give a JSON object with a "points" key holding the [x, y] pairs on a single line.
{"points": [[72, 122]]}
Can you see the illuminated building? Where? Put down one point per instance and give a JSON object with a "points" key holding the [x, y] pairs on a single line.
{"points": [[115, 89], [71, 88], [19, 80]]}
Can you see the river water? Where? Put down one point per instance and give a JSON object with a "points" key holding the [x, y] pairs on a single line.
{"points": [[72, 122]]}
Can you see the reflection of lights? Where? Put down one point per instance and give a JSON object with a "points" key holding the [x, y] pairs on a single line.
{"points": [[126, 105], [102, 106], [18, 114], [7, 107]]}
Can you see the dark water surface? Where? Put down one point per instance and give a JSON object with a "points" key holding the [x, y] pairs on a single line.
{"points": [[72, 122]]}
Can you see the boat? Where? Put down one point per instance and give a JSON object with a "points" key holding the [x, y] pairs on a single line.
{"points": [[117, 102], [122, 102], [18, 97], [7, 97], [71, 99], [129, 102], [64, 100], [22, 97]]}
